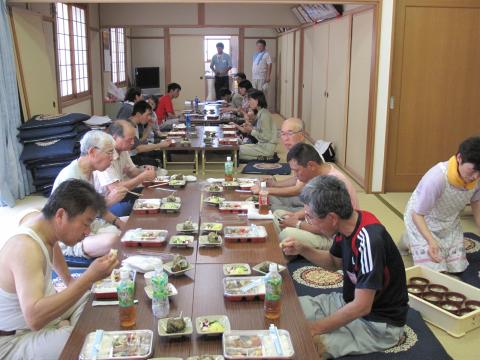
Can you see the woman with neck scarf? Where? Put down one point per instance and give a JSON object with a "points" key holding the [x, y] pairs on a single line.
{"points": [[434, 233]]}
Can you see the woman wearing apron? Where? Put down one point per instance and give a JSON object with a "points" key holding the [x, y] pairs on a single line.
{"points": [[432, 217]]}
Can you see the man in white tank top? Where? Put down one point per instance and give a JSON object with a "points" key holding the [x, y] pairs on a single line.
{"points": [[36, 322]]}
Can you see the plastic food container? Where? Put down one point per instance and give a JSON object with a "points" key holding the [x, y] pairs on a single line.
{"points": [[204, 241], [144, 237], [133, 344], [230, 184], [214, 189], [456, 326], [229, 133], [207, 227], [437, 288], [232, 288], [170, 207], [253, 233], [228, 141], [177, 183], [146, 206], [416, 289], [107, 288], [419, 281], [234, 206], [257, 344]]}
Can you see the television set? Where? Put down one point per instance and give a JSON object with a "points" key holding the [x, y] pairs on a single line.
{"points": [[147, 77]]}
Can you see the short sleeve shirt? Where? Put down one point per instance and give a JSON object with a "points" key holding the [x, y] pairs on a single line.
{"points": [[117, 171], [164, 106], [371, 260], [71, 171], [221, 62], [260, 65]]}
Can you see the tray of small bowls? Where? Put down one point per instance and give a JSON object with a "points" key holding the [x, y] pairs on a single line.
{"points": [[175, 327], [107, 288], [230, 185], [172, 291], [214, 200], [207, 227], [244, 288], [228, 141], [178, 266], [146, 206], [235, 207], [444, 301], [252, 233], [144, 237], [212, 325], [214, 189], [239, 269], [212, 239], [257, 344], [263, 267], [181, 240], [116, 345], [187, 227], [170, 207]]}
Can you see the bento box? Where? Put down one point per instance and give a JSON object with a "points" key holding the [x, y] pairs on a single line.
{"points": [[229, 133], [257, 344], [252, 233], [178, 133], [228, 141], [230, 184], [455, 325], [232, 288], [177, 183], [107, 288], [112, 345], [146, 206], [144, 237], [235, 206], [171, 207]]}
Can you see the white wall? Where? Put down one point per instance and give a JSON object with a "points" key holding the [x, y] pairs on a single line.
{"points": [[241, 14], [149, 52]]}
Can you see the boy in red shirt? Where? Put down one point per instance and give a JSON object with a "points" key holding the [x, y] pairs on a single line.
{"points": [[164, 108]]}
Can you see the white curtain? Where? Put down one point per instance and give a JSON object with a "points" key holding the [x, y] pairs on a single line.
{"points": [[14, 182]]}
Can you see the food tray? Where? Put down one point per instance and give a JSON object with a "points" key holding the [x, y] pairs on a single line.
{"points": [[230, 184], [256, 344], [133, 344], [214, 200], [168, 268], [181, 240], [258, 267], [166, 200], [203, 241], [146, 206], [206, 357], [227, 127], [180, 229], [170, 207], [228, 141], [235, 206], [107, 288], [214, 189], [207, 227], [232, 285], [144, 237], [176, 133], [177, 183], [253, 233], [158, 181], [229, 133], [162, 328], [239, 269], [456, 326], [203, 325]]}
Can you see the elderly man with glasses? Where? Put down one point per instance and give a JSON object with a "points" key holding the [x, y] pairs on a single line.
{"points": [[371, 313], [284, 194]]}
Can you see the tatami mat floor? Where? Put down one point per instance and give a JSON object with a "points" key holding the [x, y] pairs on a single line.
{"points": [[387, 207]]}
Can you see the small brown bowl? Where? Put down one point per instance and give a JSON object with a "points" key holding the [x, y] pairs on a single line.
{"points": [[450, 306], [419, 281], [455, 297], [416, 289], [472, 305], [436, 288], [432, 297], [463, 311]]}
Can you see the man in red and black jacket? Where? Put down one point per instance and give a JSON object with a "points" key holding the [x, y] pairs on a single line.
{"points": [[370, 314]]}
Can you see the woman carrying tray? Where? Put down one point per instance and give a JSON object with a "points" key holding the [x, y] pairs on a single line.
{"points": [[432, 217]]}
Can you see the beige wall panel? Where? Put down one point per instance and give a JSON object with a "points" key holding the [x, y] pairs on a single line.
{"points": [[249, 50], [44, 9], [204, 31], [297, 74], [36, 61], [359, 93], [149, 52], [338, 74], [83, 107], [148, 14], [96, 72], [260, 32], [319, 81], [261, 14], [141, 31], [188, 67], [289, 75], [93, 12], [308, 39]]}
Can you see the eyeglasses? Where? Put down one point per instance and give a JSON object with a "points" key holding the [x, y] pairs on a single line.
{"points": [[108, 153], [308, 218], [289, 133]]}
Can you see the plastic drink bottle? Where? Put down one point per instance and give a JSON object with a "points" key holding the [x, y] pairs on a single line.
{"points": [[273, 293], [160, 303], [229, 169], [126, 294], [263, 199], [196, 103], [188, 121]]}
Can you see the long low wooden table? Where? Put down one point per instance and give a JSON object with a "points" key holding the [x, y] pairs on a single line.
{"points": [[200, 291]]}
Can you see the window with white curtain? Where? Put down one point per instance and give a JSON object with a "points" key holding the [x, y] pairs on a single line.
{"points": [[72, 51], [117, 46]]}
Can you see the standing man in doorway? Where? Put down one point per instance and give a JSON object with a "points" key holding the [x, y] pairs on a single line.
{"points": [[261, 68], [221, 65]]}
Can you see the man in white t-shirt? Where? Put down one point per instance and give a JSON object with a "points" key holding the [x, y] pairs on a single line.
{"points": [[261, 67], [122, 172]]}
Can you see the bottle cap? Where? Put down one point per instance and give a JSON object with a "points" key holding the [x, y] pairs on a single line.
{"points": [[272, 267], [229, 158], [124, 274]]}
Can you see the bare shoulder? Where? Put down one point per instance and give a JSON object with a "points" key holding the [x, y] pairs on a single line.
{"points": [[22, 249]]}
